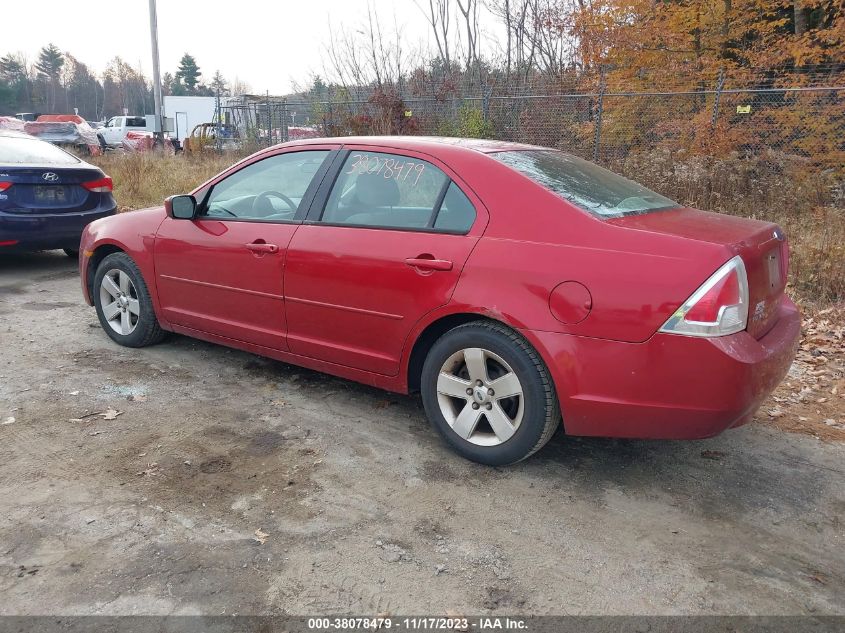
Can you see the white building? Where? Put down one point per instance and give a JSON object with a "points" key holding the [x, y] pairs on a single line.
{"points": [[188, 112]]}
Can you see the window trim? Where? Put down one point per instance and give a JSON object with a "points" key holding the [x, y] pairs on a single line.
{"points": [[318, 207], [304, 204]]}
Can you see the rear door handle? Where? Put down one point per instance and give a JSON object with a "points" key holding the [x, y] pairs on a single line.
{"points": [[425, 263], [261, 247]]}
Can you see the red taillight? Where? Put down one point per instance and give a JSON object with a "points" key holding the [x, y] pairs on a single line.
{"points": [[8, 242], [4, 185], [724, 293], [102, 185], [719, 307]]}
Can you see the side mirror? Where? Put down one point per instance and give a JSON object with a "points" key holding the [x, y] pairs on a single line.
{"points": [[181, 207]]}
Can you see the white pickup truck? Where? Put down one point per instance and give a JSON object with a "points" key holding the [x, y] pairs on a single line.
{"points": [[117, 127]]}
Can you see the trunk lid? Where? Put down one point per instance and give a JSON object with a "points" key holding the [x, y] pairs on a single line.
{"points": [[53, 189], [761, 245]]}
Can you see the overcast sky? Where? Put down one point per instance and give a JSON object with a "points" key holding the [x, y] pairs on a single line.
{"points": [[270, 44]]}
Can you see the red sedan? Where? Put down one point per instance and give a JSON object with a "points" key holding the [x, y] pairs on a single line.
{"points": [[513, 286]]}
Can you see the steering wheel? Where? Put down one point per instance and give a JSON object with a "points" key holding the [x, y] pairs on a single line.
{"points": [[265, 196]]}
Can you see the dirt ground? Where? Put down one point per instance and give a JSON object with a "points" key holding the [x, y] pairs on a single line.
{"points": [[187, 478]]}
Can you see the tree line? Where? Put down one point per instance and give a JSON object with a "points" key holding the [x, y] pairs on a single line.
{"points": [[58, 82], [553, 44]]}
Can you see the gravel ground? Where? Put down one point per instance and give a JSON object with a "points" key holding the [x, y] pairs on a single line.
{"points": [[187, 478]]}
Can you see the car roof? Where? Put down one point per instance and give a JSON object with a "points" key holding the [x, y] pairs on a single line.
{"points": [[421, 143]]}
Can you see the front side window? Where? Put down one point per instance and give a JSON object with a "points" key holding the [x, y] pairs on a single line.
{"points": [[392, 191], [598, 191], [271, 189]]}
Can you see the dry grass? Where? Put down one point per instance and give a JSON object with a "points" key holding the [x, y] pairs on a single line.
{"points": [[807, 202], [145, 180]]}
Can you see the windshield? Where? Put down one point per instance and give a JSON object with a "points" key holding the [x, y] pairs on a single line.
{"points": [[588, 186], [27, 151]]}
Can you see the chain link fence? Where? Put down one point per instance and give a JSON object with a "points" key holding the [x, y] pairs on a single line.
{"points": [[801, 122]]}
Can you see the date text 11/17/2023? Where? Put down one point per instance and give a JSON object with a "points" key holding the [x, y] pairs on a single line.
{"points": [[418, 623]]}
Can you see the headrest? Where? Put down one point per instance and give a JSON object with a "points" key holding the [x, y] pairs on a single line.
{"points": [[374, 190]]}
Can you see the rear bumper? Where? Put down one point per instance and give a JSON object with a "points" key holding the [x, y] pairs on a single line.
{"points": [[43, 231], [669, 387]]}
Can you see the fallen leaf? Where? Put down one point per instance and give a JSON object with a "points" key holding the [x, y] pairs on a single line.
{"points": [[137, 398], [714, 455], [110, 414], [261, 536]]}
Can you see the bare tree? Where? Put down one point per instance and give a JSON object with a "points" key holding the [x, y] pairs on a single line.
{"points": [[368, 57], [521, 40], [469, 11], [439, 17]]}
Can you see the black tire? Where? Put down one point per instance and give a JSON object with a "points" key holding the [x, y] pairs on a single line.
{"points": [[540, 414], [71, 252], [147, 330]]}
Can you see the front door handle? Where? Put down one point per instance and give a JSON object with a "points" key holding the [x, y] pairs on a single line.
{"points": [[429, 263], [262, 247]]}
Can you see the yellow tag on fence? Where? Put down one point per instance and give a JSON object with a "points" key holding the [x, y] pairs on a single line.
{"points": [[746, 109]]}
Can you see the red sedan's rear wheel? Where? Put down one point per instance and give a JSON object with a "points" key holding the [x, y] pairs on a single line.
{"points": [[123, 303], [488, 393]]}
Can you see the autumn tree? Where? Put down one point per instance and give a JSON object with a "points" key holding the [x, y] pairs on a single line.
{"points": [[125, 88], [705, 35], [81, 88]]}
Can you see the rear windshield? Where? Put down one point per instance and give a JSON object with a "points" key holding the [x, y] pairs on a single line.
{"points": [[588, 186], [24, 151]]}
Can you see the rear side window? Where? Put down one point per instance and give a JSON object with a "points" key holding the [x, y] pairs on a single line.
{"points": [[22, 151], [136, 121], [456, 213], [586, 185], [392, 191]]}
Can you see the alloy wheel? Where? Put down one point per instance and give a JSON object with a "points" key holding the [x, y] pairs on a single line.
{"points": [[480, 396], [119, 302]]}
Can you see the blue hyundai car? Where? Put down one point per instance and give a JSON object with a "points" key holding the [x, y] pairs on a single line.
{"points": [[47, 196]]}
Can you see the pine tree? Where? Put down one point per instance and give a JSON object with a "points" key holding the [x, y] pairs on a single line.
{"points": [[49, 67], [188, 73], [50, 62], [11, 69]]}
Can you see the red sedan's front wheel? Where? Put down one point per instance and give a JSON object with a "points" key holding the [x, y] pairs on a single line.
{"points": [[488, 393], [123, 303]]}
